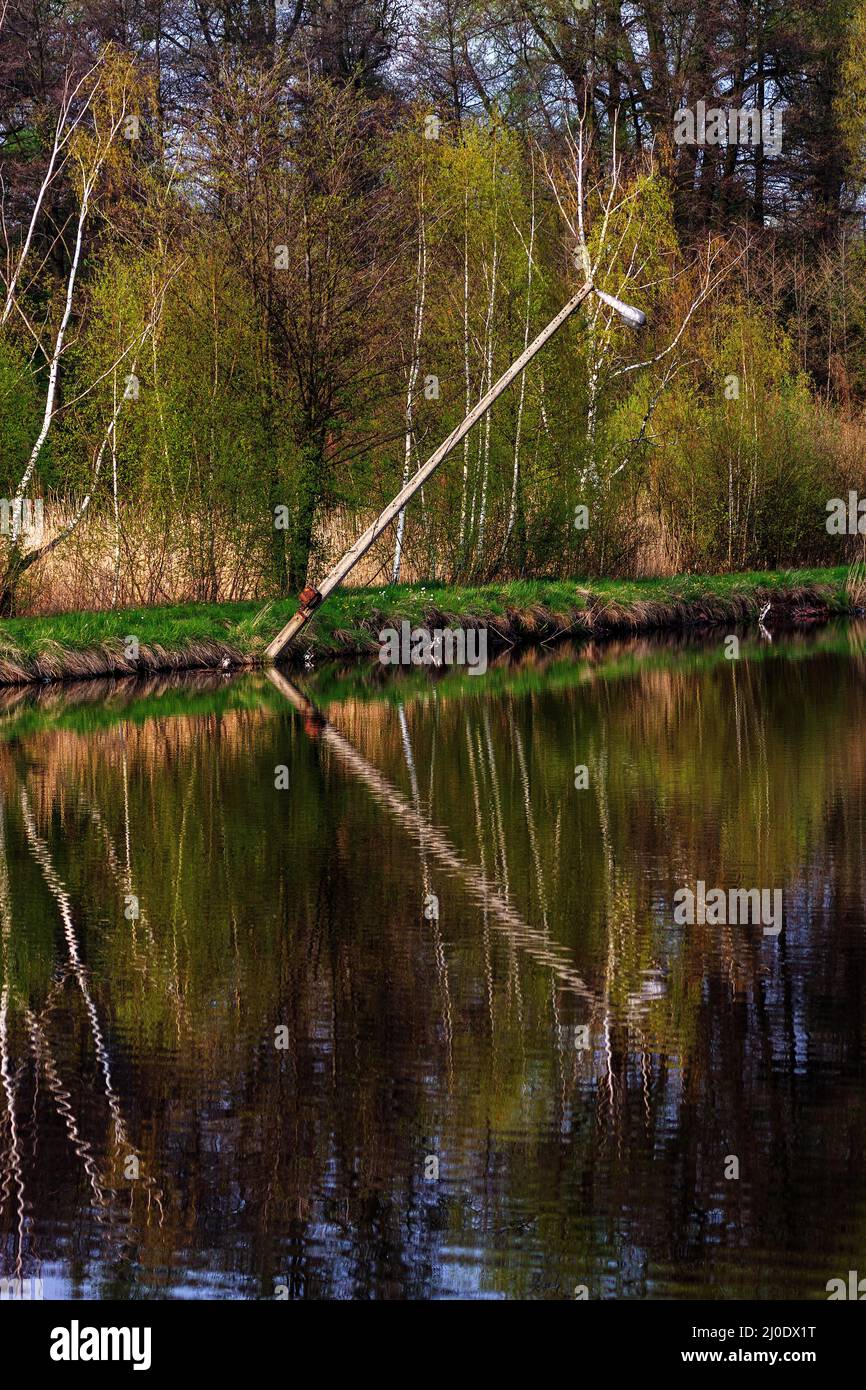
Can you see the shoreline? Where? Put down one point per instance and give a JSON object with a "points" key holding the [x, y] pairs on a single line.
{"points": [[232, 637]]}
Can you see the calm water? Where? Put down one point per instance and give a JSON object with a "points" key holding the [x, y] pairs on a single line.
{"points": [[242, 1025]]}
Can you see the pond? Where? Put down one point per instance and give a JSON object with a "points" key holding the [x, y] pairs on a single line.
{"points": [[343, 985]]}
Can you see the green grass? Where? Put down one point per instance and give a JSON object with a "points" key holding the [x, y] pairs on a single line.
{"points": [[344, 623]]}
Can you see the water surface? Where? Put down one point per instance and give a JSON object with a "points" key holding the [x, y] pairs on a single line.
{"points": [[389, 1007]]}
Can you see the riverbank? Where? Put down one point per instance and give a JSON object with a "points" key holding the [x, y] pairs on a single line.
{"points": [[75, 646]]}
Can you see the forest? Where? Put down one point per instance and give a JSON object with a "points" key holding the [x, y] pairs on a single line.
{"points": [[260, 258]]}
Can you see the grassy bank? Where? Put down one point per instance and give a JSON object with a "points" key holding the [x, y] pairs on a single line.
{"points": [[214, 636]]}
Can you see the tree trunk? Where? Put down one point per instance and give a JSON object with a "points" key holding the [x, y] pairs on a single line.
{"points": [[311, 473]]}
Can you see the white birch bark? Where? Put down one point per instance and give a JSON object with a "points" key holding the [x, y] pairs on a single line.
{"points": [[414, 367], [515, 471], [63, 132], [89, 178], [487, 380], [466, 374]]}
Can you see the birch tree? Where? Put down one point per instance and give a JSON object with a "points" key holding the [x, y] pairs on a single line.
{"points": [[86, 142], [414, 352]]}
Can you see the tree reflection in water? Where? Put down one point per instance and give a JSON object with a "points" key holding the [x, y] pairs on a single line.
{"points": [[579, 1065]]}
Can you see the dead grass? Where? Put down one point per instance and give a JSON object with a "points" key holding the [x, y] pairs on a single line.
{"points": [[56, 662], [855, 585]]}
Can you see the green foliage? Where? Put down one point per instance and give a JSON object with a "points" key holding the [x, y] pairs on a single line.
{"points": [[738, 474], [19, 413]]}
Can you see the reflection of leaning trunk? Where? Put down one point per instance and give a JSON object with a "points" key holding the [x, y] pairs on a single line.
{"points": [[518, 932]]}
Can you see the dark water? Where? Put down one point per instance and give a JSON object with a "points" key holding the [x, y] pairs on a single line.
{"points": [[246, 1089]]}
